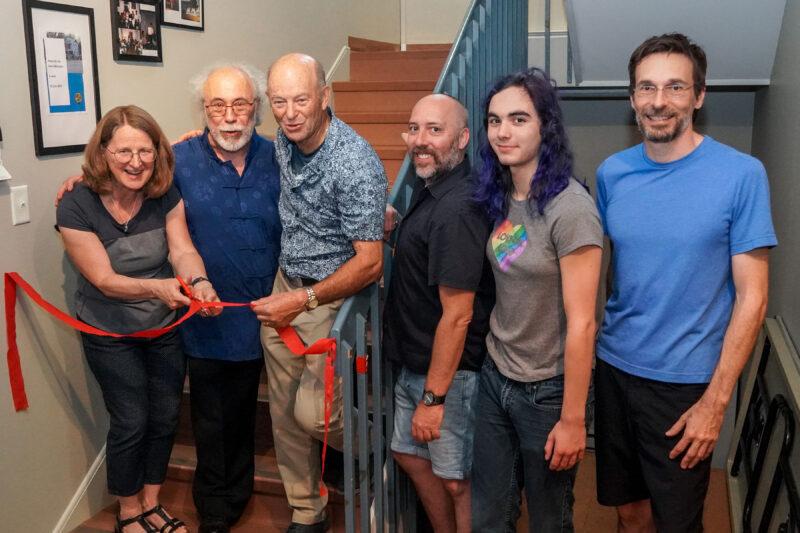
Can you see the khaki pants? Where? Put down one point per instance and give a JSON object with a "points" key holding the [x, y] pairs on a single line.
{"points": [[296, 405]]}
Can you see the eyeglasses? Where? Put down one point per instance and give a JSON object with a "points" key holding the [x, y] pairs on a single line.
{"points": [[218, 109], [674, 90], [124, 156]]}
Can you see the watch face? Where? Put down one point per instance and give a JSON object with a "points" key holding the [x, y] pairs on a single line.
{"points": [[427, 398]]}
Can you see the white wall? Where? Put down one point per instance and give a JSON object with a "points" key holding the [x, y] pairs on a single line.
{"points": [[48, 448], [428, 22]]}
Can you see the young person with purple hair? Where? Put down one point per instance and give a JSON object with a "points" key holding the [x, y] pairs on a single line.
{"points": [[545, 250]]}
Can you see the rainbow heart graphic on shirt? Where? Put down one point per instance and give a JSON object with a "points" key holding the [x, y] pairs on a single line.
{"points": [[508, 243]]}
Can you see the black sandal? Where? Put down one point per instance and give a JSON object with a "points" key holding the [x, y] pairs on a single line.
{"points": [[169, 522], [138, 519]]}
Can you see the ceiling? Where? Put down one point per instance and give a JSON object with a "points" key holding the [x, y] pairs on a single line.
{"points": [[739, 36]]}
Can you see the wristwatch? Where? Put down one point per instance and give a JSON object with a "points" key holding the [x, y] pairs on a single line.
{"points": [[311, 300], [429, 398]]}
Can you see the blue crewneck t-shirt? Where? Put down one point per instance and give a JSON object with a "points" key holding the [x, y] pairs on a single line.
{"points": [[674, 227]]}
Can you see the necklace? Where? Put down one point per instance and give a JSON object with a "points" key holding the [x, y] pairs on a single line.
{"points": [[119, 209]]}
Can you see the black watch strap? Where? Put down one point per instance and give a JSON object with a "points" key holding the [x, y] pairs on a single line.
{"points": [[197, 280], [429, 398]]}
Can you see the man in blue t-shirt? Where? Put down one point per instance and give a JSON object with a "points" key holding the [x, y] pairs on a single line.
{"points": [[689, 223]]}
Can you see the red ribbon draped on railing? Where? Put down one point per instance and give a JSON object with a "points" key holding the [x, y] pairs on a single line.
{"points": [[287, 334]]}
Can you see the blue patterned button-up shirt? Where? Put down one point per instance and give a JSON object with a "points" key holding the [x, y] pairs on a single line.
{"points": [[338, 197]]}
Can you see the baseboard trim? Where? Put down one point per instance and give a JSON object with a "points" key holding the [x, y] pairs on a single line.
{"points": [[81, 491]]}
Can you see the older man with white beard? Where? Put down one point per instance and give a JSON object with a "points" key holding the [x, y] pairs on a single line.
{"points": [[229, 181]]}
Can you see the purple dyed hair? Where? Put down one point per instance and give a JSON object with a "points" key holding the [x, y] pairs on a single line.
{"points": [[555, 156]]}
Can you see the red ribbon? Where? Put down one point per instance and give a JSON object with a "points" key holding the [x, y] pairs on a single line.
{"points": [[293, 342], [286, 333]]}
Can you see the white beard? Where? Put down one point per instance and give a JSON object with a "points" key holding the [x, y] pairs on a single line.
{"points": [[229, 145]]}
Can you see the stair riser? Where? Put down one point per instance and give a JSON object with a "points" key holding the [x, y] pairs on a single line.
{"points": [[395, 66], [377, 101], [395, 70], [377, 134]]}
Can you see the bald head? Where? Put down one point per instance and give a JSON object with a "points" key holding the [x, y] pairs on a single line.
{"points": [[299, 97], [437, 135], [298, 63], [448, 106]]}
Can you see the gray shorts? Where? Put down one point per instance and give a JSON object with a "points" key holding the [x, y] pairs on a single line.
{"points": [[451, 454]]}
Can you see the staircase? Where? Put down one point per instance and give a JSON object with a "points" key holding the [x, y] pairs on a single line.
{"points": [[384, 85]]}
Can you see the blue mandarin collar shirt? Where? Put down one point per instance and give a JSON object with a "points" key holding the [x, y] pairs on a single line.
{"points": [[234, 224]]}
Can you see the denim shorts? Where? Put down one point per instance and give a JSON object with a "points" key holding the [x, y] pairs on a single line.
{"points": [[451, 454]]}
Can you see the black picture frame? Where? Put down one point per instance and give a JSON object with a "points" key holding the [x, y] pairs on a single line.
{"points": [[187, 14], [62, 75], [136, 31]]}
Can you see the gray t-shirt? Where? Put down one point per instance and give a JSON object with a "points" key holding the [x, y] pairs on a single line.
{"points": [[528, 324], [137, 251]]}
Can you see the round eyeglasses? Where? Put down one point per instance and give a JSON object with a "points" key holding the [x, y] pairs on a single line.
{"points": [[239, 107], [124, 156]]}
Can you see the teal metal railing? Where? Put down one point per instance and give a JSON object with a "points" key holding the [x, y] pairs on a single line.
{"points": [[492, 41]]}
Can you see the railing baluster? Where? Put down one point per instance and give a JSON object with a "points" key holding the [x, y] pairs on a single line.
{"points": [[363, 423], [547, 37], [344, 365]]}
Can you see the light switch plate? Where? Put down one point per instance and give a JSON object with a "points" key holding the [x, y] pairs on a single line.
{"points": [[20, 210]]}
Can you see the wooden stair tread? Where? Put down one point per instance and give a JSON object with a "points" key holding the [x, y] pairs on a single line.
{"points": [[359, 44], [380, 85], [397, 55], [267, 479], [265, 513], [365, 117]]}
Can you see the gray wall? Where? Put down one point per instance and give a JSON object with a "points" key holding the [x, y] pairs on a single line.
{"points": [[47, 450], [599, 128], [776, 141]]}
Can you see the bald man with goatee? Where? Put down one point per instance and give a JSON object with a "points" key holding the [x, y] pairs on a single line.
{"points": [[332, 205], [437, 314]]}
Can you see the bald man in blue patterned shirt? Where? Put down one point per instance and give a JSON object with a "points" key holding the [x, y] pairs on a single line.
{"points": [[332, 206]]}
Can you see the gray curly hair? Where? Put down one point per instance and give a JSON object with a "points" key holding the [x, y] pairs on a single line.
{"points": [[256, 77]]}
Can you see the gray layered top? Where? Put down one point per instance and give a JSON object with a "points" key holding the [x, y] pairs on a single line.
{"points": [[140, 252]]}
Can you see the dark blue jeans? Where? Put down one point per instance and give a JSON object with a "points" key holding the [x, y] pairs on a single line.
{"points": [[513, 422], [142, 382]]}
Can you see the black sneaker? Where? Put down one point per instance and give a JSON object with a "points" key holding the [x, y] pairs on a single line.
{"points": [[319, 527]]}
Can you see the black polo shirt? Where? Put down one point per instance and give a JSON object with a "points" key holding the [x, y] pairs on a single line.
{"points": [[441, 241]]}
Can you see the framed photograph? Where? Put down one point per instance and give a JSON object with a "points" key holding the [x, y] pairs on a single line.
{"points": [[183, 14], [62, 75], [136, 31]]}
